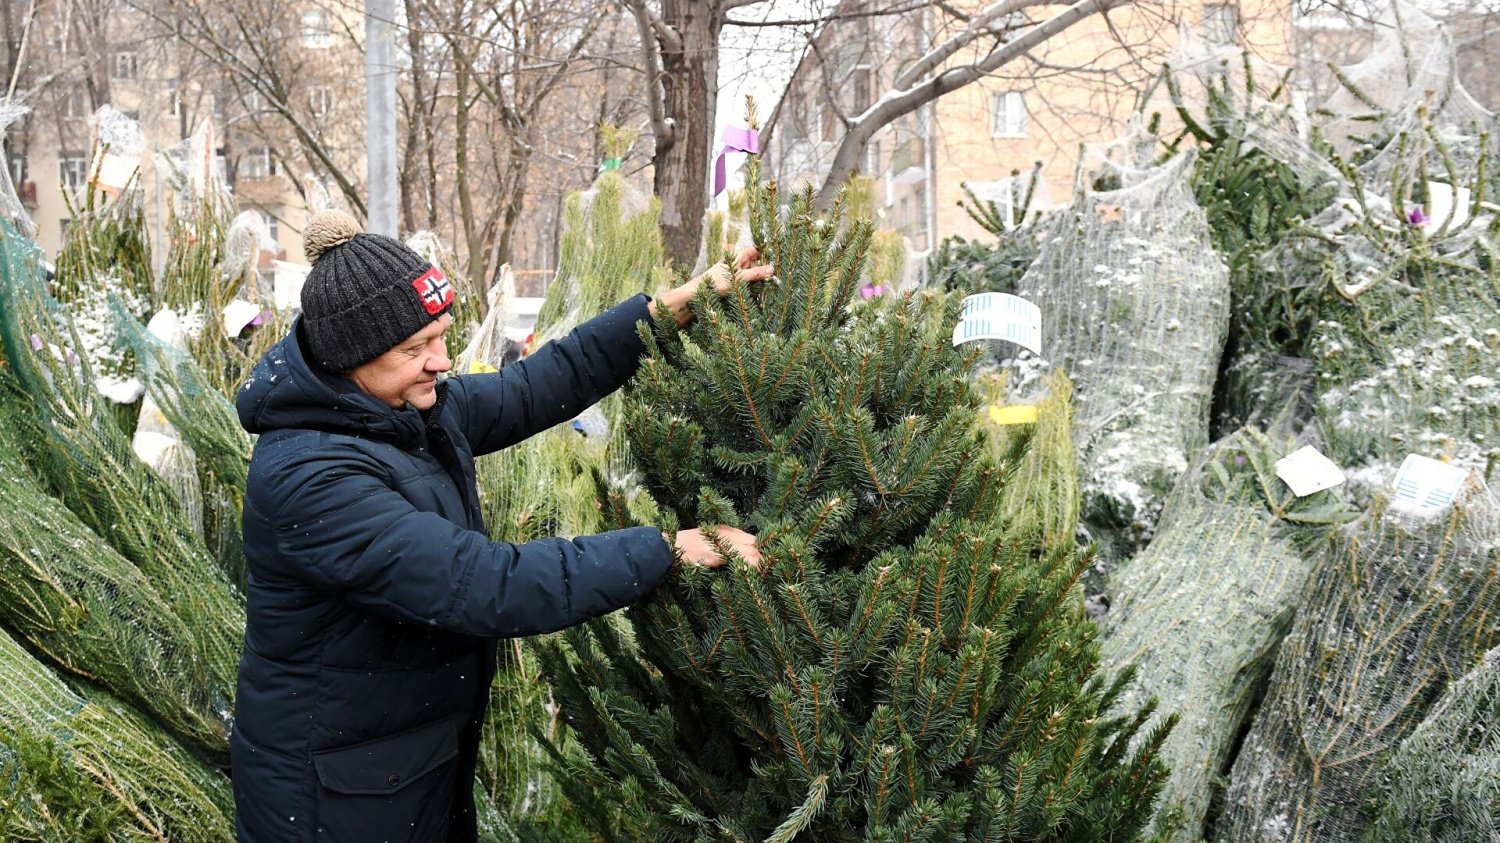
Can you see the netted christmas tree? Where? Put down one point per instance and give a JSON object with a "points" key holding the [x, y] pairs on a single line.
{"points": [[1399, 605], [80, 766], [1200, 612], [903, 665], [75, 444], [1135, 307], [547, 485], [90, 611], [1442, 784]]}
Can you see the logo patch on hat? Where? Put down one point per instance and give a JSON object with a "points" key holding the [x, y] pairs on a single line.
{"points": [[434, 289]]}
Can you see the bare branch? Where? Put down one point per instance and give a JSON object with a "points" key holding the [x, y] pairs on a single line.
{"points": [[978, 26], [651, 53]]}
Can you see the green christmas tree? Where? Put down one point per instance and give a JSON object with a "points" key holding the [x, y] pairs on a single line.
{"points": [[907, 663]]}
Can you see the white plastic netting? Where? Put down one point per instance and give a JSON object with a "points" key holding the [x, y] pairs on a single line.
{"points": [[1135, 305], [1200, 612], [246, 243], [11, 209], [1398, 606], [1442, 784]]}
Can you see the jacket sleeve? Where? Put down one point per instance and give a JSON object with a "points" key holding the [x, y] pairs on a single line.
{"points": [[344, 529], [562, 379]]}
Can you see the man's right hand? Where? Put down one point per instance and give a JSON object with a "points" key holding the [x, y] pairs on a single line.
{"points": [[696, 549]]}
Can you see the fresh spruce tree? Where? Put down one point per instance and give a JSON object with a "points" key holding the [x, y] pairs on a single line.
{"points": [[905, 664]]}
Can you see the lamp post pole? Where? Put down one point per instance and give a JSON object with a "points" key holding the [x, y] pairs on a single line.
{"points": [[380, 116]]}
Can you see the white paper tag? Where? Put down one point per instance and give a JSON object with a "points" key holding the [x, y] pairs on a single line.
{"points": [[1427, 485], [1307, 471], [238, 314], [1441, 200], [116, 171], [289, 280], [1000, 316]]}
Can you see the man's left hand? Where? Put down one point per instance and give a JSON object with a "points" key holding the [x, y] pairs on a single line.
{"points": [[677, 299]]}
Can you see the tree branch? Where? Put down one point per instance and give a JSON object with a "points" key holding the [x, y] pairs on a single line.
{"points": [[652, 54], [978, 26]]}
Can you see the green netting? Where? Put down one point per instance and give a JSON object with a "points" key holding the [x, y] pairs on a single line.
{"points": [[92, 612], [1442, 784], [152, 788], [546, 485], [79, 449], [1040, 500], [1135, 303], [209, 425], [1200, 612], [1398, 606]]}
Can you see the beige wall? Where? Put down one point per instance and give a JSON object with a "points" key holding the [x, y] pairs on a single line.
{"points": [[1081, 87]]}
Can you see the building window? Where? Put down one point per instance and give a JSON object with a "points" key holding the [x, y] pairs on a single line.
{"points": [[255, 102], [74, 106], [829, 130], [906, 214], [126, 65], [72, 169], [796, 119], [1010, 115], [317, 28], [861, 89], [872, 158], [258, 163], [18, 172], [271, 227], [1221, 22], [320, 100]]}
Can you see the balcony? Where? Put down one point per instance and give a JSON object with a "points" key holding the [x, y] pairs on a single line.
{"points": [[909, 162]]}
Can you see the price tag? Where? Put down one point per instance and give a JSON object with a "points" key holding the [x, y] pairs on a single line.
{"points": [[1307, 471], [289, 280], [238, 314], [1427, 485], [116, 171], [1000, 316], [1023, 414]]}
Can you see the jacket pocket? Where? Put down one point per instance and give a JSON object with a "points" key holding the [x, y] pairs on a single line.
{"points": [[387, 765]]}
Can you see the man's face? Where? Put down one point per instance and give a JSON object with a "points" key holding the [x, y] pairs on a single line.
{"points": [[408, 373]]}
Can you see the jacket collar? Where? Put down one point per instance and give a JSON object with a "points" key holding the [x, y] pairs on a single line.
{"points": [[286, 390]]}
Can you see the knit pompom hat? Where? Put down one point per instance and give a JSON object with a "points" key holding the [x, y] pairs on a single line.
{"points": [[365, 294]]}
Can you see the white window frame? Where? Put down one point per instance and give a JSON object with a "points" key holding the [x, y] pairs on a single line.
{"points": [[1008, 118], [1221, 22], [125, 64], [18, 168], [320, 100], [317, 28], [72, 169], [75, 105], [257, 164], [272, 227]]}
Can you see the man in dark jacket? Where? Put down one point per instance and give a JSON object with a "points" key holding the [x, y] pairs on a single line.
{"points": [[375, 596]]}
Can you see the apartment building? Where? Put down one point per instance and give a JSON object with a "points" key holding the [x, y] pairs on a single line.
{"points": [[74, 64], [1079, 87]]}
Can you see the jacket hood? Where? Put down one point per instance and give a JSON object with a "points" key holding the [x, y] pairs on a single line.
{"points": [[286, 390]]}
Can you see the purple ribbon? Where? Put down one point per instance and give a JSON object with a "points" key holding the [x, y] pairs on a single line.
{"points": [[736, 139]]}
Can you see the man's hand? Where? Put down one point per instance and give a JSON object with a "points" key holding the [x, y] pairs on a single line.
{"points": [[696, 549], [676, 300]]}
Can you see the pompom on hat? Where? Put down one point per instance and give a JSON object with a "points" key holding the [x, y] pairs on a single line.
{"points": [[365, 294]]}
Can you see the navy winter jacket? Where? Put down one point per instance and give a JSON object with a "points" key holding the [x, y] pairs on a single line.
{"points": [[375, 596]]}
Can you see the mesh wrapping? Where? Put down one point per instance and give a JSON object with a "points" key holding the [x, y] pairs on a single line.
{"points": [[1135, 303], [545, 486], [1200, 612], [209, 428], [1398, 606], [1040, 499], [1442, 783], [247, 240], [131, 768], [78, 447], [90, 611], [11, 209]]}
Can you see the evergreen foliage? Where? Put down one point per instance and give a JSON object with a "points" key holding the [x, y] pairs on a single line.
{"points": [[901, 666]]}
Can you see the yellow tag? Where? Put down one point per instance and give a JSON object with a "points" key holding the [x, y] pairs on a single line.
{"points": [[479, 367], [1013, 415]]}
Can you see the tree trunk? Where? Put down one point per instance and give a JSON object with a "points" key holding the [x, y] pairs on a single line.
{"points": [[515, 199], [473, 236], [415, 115], [690, 85]]}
